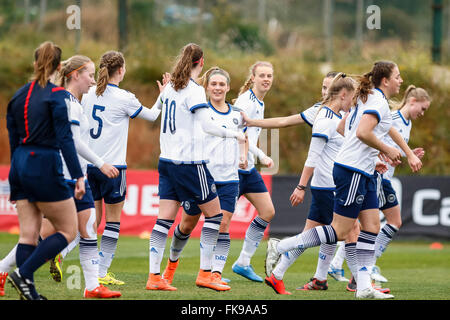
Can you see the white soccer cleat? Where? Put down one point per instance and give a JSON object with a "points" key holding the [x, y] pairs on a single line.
{"points": [[272, 255], [371, 293], [376, 276]]}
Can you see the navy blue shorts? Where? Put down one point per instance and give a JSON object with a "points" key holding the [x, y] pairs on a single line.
{"points": [[355, 192], [228, 196], [87, 201], [181, 182], [251, 182], [36, 175], [112, 190], [322, 204], [387, 197]]}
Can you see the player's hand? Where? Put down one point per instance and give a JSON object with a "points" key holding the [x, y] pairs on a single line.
{"points": [[419, 152], [247, 121], [267, 162], [394, 155], [414, 163], [80, 189], [165, 81], [243, 163], [297, 197], [109, 171], [381, 167]]}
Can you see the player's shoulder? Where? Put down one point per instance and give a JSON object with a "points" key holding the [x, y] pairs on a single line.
{"points": [[235, 108]]}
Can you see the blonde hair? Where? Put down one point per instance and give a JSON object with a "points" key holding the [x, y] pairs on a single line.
{"points": [[110, 62], [75, 63], [340, 81], [252, 72], [204, 80], [189, 57], [47, 58], [411, 92]]}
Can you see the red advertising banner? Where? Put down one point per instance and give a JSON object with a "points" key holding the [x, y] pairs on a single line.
{"points": [[141, 207]]}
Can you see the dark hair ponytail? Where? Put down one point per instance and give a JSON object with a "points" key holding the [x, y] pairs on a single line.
{"points": [[190, 56]]}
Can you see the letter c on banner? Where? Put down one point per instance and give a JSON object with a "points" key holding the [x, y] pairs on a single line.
{"points": [[417, 207]]}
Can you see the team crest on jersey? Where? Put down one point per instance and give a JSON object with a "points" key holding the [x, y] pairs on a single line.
{"points": [[213, 188], [391, 198], [359, 199], [235, 121], [186, 205]]}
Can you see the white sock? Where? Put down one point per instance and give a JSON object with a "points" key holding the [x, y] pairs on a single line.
{"points": [[323, 262], [70, 246], [221, 251], [286, 260], [208, 240], [339, 257], [158, 244], [9, 262], [89, 262], [253, 237]]}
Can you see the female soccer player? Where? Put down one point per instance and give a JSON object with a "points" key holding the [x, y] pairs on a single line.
{"points": [[226, 156], [251, 184], [183, 175], [307, 116], [108, 109], [38, 126], [413, 105], [77, 76], [325, 144], [353, 174]]}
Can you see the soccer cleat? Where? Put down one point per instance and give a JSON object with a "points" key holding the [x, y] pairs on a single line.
{"points": [[375, 275], [246, 272], [337, 274], [24, 287], [277, 285], [217, 277], [371, 293], [110, 279], [314, 284], [272, 256], [56, 268], [3, 276], [169, 273], [156, 282], [351, 285], [206, 280], [379, 288], [101, 292]]}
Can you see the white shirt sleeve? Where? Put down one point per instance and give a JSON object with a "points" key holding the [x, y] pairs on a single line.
{"points": [[202, 116], [153, 113], [323, 128], [133, 106], [82, 148], [315, 149], [197, 99], [309, 114]]}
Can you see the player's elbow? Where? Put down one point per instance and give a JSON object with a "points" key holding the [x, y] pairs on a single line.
{"points": [[362, 134]]}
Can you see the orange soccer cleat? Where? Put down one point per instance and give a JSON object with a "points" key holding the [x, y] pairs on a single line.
{"points": [[217, 277], [206, 280], [156, 282], [101, 292], [275, 284], [169, 273]]}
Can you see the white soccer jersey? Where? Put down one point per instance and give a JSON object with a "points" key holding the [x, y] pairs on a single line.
{"points": [[108, 117], [224, 152], [309, 114], [76, 117], [324, 127], [254, 109], [182, 138], [355, 154], [404, 128]]}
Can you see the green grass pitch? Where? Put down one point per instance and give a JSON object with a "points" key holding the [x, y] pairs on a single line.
{"points": [[414, 271]]}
